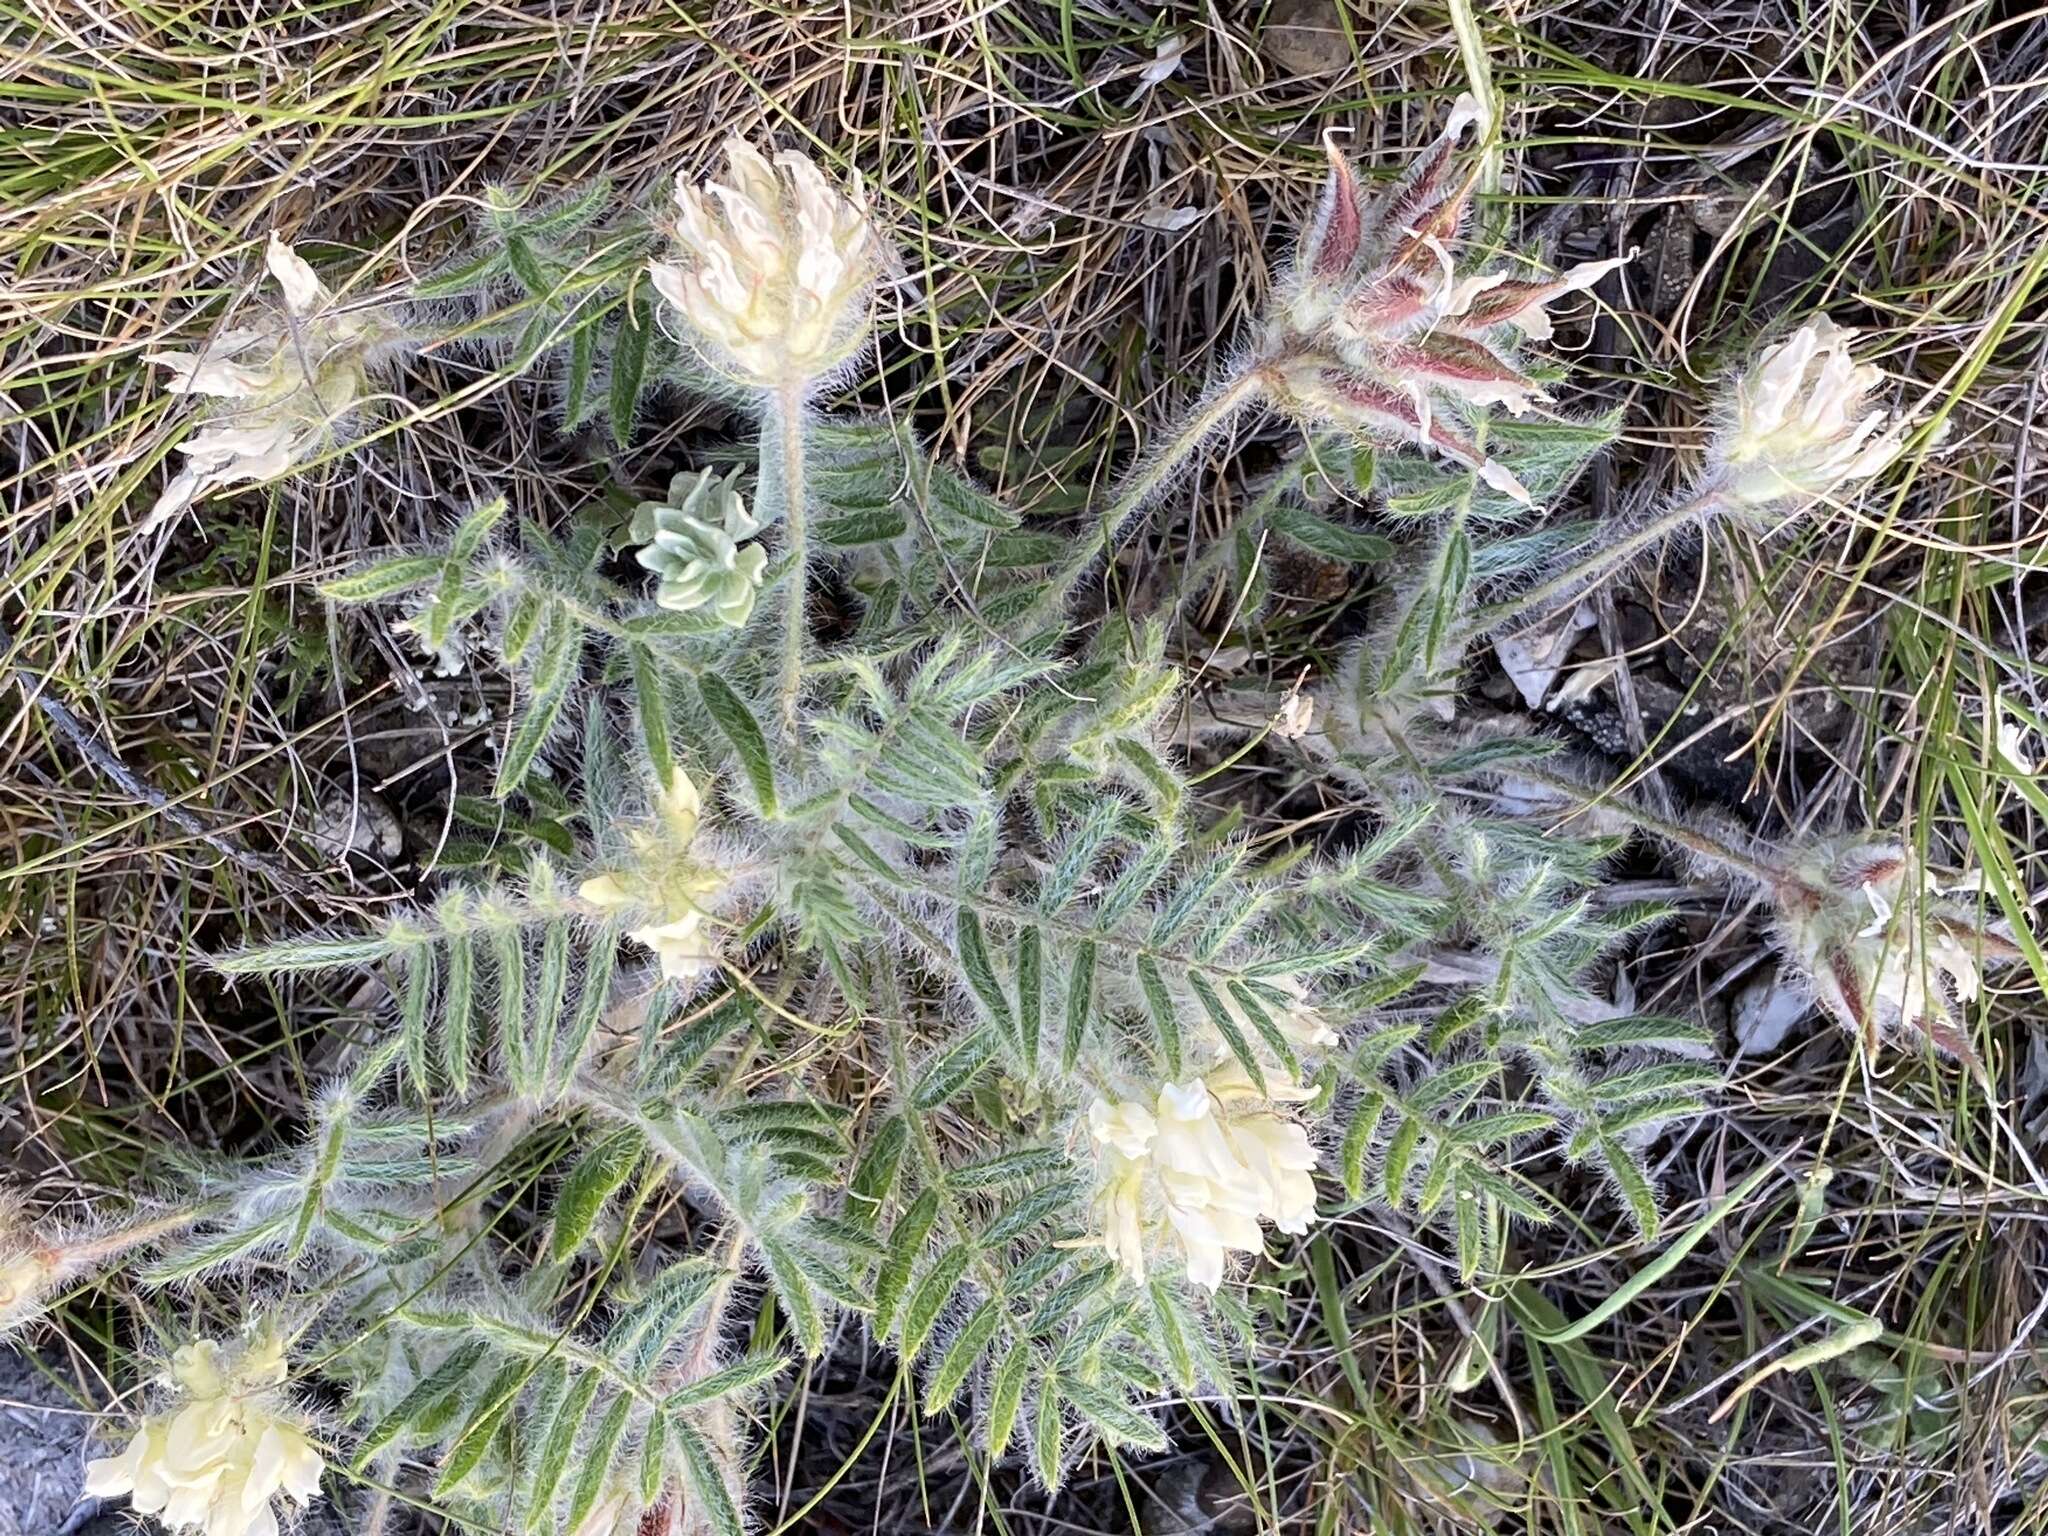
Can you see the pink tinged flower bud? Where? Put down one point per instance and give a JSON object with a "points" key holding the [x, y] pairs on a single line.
{"points": [[1345, 397], [1886, 949], [1481, 304], [1334, 236], [1375, 327]]}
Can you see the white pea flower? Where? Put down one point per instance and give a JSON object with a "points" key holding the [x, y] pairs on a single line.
{"points": [[778, 268], [1128, 1128], [1801, 422], [1197, 1173], [215, 1460], [680, 945], [1123, 1133], [666, 882], [285, 387], [693, 545]]}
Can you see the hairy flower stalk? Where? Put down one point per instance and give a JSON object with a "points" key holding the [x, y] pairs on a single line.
{"points": [[215, 1461], [692, 542], [776, 284], [666, 885], [1202, 420], [286, 387], [789, 433], [1886, 949], [1797, 426]]}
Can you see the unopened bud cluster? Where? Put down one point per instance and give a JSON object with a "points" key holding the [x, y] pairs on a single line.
{"points": [[1376, 329], [692, 543]]}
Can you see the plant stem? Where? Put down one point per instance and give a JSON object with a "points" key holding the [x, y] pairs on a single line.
{"points": [[111, 1245], [1536, 598], [1694, 841], [1141, 485], [789, 430]]}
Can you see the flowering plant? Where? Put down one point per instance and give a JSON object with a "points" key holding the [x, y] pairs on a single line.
{"points": [[776, 269], [1801, 422], [889, 939]]}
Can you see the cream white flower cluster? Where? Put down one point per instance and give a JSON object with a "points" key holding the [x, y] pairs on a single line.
{"points": [[777, 269], [215, 1462], [1210, 1160], [1200, 1167], [665, 884], [286, 386], [692, 542], [1802, 422]]}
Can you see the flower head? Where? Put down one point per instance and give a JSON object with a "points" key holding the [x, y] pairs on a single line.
{"points": [[1800, 422], [30, 1267], [666, 883], [217, 1457], [1375, 328], [693, 544], [777, 268], [285, 386], [1197, 1172], [1885, 948]]}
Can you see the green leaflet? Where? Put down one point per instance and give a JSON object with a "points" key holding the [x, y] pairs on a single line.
{"points": [[594, 1178], [743, 732]]}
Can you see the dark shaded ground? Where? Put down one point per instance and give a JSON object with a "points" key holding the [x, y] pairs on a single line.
{"points": [[42, 1453]]}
